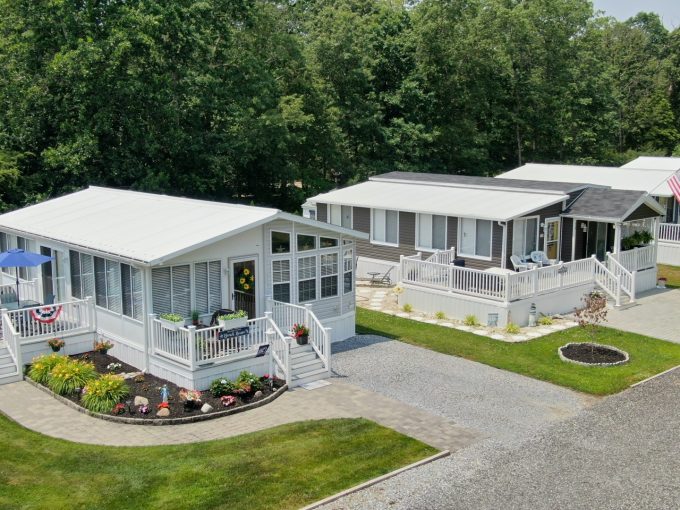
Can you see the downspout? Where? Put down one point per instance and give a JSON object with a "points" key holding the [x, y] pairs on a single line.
{"points": [[504, 251]]}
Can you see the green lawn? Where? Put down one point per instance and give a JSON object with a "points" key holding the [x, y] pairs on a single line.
{"points": [[670, 272], [536, 358], [285, 467]]}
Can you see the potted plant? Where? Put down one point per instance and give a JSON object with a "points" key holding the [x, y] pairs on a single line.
{"points": [[171, 321], [56, 344], [662, 282], [238, 319], [301, 334], [103, 346], [194, 317]]}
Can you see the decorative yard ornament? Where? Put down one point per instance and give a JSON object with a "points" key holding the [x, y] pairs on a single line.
{"points": [[165, 393], [46, 314], [532, 315]]}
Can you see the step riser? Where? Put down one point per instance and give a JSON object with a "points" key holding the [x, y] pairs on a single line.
{"points": [[307, 368], [8, 379], [296, 360], [7, 369], [4, 351], [309, 379]]}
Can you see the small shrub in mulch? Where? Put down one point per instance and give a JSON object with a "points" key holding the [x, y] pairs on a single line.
{"points": [[149, 387]]}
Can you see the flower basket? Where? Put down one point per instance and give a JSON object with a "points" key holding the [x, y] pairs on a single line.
{"points": [[234, 320], [170, 325], [302, 339]]}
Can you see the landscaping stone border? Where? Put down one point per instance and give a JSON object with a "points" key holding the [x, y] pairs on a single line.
{"points": [[623, 353], [162, 421]]}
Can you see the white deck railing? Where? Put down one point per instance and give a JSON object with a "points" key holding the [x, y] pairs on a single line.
{"points": [[614, 279], [285, 315], [442, 257], [73, 317], [669, 232], [11, 337], [637, 259], [28, 291]]}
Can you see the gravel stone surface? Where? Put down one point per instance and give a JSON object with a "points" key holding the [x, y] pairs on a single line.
{"points": [[620, 452]]}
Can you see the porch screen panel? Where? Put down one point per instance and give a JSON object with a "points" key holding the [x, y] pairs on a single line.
{"points": [[161, 288], [126, 286], [137, 298], [181, 290], [483, 238], [76, 285], [281, 280], [201, 286], [113, 287], [87, 274], [100, 281], [214, 285], [348, 267], [23, 245]]}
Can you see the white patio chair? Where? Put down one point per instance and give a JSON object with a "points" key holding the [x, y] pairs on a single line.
{"points": [[540, 258], [517, 263]]}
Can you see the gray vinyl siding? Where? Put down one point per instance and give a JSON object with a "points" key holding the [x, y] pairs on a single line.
{"points": [[407, 236], [642, 212], [552, 211], [322, 212]]}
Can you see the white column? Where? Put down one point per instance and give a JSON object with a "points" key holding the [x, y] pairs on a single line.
{"points": [[617, 237]]}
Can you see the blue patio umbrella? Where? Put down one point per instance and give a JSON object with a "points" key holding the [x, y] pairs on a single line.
{"points": [[20, 258]]}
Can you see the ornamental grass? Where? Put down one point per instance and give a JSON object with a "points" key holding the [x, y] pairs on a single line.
{"points": [[70, 375], [42, 365], [101, 395]]}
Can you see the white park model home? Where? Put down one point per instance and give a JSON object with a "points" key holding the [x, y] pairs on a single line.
{"points": [[121, 257]]}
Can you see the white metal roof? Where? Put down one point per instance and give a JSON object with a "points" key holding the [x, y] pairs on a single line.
{"points": [[654, 163], [653, 182], [466, 202], [141, 226]]}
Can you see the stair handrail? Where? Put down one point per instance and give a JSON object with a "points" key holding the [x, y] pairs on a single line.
{"points": [[280, 348], [627, 277], [606, 278], [12, 338]]}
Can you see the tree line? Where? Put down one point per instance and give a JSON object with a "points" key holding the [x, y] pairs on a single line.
{"points": [[272, 101]]}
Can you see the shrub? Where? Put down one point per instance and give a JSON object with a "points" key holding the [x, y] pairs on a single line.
{"points": [[42, 365], [545, 320], [512, 328], [70, 375], [407, 308], [221, 387], [440, 315], [101, 395], [471, 320], [248, 380]]}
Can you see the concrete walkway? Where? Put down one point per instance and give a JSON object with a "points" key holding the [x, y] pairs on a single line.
{"points": [[654, 314], [38, 411]]}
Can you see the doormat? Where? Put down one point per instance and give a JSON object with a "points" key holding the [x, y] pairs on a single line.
{"points": [[314, 385]]}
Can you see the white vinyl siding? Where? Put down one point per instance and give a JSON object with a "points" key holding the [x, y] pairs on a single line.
{"points": [[525, 236], [431, 232], [475, 238], [385, 226], [329, 275], [306, 279], [281, 280]]}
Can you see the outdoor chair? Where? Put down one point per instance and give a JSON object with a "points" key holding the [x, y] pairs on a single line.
{"points": [[517, 263], [540, 258], [216, 314], [381, 279]]}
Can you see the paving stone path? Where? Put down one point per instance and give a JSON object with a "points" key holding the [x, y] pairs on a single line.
{"points": [[39, 411]]}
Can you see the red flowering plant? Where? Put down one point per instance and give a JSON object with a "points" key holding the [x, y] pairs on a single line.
{"points": [[118, 409], [299, 330], [228, 400], [163, 405]]}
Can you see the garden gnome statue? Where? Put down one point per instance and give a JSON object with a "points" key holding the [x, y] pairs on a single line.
{"points": [[165, 393]]}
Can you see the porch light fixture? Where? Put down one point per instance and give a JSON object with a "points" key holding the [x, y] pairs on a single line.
{"points": [[584, 227]]}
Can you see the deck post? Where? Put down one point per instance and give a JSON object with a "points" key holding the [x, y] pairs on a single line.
{"points": [[268, 304], [149, 341], [192, 346], [327, 348], [633, 284], [269, 335], [618, 290], [535, 281], [308, 309]]}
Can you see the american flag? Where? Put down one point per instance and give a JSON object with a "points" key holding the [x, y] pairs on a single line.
{"points": [[674, 183]]}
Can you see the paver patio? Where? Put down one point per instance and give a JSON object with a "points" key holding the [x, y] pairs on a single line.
{"points": [[38, 411]]}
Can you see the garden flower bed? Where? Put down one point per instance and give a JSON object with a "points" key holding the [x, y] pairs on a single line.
{"points": [[139, 397]]}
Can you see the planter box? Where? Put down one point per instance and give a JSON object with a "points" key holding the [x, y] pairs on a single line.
{"points": [[241, 322], [172, 326]]}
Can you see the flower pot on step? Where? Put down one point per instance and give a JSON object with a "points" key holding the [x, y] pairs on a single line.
{"points": [[302, 339]]}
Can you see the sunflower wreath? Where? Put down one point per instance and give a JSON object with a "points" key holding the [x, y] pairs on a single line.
{"points": [[245, 280]]}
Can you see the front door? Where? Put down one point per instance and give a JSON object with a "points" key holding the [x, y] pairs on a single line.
{"points": [[552, 238], [243, 286]]}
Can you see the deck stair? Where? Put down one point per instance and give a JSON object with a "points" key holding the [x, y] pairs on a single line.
{"points": [[305, 365], [9, 372]]}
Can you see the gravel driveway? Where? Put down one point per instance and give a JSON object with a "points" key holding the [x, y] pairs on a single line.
{"points": [[547, 447]]}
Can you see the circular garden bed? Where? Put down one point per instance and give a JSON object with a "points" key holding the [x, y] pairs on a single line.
{"points": [[592, 354], [143, 401]]}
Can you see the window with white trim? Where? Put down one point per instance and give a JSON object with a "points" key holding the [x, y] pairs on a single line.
{"points": [[525, 236], [131, 283], [280, 242], [82, 274], [475, 238], [348, 268], [340, 215], [431, 232], [306, 242], [327, 242], [329, 275], [281, 280], [385, 226], [306, 279], [107, 284], [22, 244]]}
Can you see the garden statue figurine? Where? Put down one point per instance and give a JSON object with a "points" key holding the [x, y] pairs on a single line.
{"points": [[165, 393]]}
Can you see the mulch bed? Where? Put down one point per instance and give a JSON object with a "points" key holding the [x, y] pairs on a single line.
{"points": [[586, 353], [149, 386]]}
